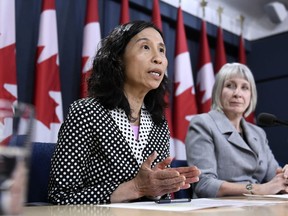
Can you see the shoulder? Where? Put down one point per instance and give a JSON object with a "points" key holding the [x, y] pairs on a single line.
{"points": [[86, 104], [87, 107], [253, 128], [203, 117]]}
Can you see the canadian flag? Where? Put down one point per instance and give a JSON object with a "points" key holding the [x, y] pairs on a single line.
{"points": [[205, 74], [156, 19], [241, 50], [8, 80], [156, 16], [220, 54], [47, 100], [184, 103], [124, 15], [91, 40], [242, 59]]}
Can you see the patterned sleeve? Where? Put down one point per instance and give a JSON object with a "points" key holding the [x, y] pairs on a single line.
{"points": [[70, 178]]}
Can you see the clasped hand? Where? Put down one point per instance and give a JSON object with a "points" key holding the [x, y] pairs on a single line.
{"points": [[283, 175], [161, 180], [279, 184]]}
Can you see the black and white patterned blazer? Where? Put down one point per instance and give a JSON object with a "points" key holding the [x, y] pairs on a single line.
{"points": [[96, 152]]}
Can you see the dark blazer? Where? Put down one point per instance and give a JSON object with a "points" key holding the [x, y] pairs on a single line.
{"points": [[219, 151], [96, 152]]}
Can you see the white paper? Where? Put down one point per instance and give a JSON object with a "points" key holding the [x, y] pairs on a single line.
{"points": [[278, 196], [195, 204]]}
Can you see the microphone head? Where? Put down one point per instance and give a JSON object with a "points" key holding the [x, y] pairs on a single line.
{"points": [[266, 119]]}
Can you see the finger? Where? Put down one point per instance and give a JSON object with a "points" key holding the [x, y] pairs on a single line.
{"points": [[177, 182], [186, 186], [168, 174], [170, 185], [163, 164], [186, 169], [279, 170], [285, 171], [148, 163], [195, 173], [192, 180]]}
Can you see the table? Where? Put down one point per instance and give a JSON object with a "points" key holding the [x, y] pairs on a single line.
{"points": [[280, 209]]}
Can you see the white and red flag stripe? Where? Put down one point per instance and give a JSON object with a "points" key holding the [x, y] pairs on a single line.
{"points": [[156, 19], [91, 42], [47, 99], [205, 74], [241, 50], [220, 54], [124, 14], [184, 102], [156, 15], [8, 79], [242, 59]]}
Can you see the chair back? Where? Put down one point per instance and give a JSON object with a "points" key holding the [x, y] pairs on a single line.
{"points": [[184, 193], [40, 165]]}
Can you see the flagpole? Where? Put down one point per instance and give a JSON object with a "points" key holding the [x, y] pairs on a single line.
{"points": [[242, 18], [203, 5], [220, 11]]}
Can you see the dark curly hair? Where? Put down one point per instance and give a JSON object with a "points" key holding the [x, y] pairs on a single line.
{"points": [[106, 82]]}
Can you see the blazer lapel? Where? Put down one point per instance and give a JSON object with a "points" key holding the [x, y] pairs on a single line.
{"points": [[127, 131], [250, 137], [228, 130], [125, 128], [145, 127]]}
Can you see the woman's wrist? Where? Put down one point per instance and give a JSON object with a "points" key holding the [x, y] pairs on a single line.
{"points": [[125, 192], [257, 188]]}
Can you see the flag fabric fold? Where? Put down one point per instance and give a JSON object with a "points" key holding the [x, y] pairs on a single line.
{"points": [[220, 54], [184, 102], [156, 19], [8, 79], [241, 50], [205, 74], [242, 59], [124, 15], [47, 98], [156, 15], [91, 42]]}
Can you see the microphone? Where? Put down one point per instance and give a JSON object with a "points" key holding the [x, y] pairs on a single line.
{"points": [[267, 119]]}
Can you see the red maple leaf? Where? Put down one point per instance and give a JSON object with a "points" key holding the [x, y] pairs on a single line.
{"points": [[184, 105], [7, 76], [202, 107], [46, 80], [7, 71]]}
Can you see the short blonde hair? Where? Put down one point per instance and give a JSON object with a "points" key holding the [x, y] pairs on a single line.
{"points": [[233, 70]]}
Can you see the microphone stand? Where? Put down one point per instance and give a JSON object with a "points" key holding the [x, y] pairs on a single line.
{"points": [[280, 122]]}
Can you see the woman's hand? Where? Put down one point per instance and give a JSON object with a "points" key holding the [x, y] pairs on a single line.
{"points": [[191, 173], [279, 184], [157, 181], [283, 170], [161, 180]]}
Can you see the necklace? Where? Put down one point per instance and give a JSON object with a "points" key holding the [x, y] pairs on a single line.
{"points": [[133, 120]]}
